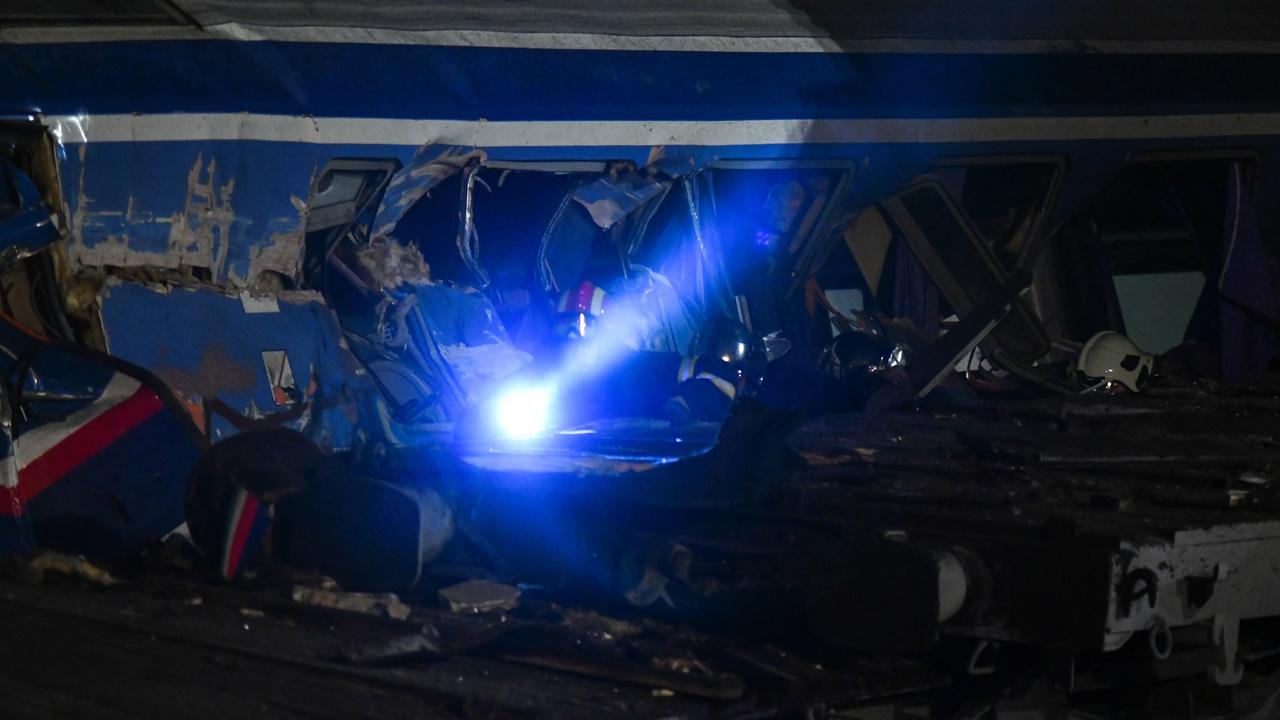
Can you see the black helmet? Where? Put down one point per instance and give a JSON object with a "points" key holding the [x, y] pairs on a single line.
{"points": [[733, 343], [857, 355], [727, 340]]}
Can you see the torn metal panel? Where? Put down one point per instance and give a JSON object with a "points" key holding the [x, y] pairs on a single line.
{"points": [[196, 207], [680, 162], [431, 165], [200, 233], [469, 335], [609, 199], [393, 263], [25, 224], [94, 454], [281, 254], [275, 359]]}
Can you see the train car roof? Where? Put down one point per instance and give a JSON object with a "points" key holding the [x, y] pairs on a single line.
{"points": [[830, 25]]}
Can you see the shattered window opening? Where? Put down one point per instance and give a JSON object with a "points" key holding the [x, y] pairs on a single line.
{"points": [[1159, 228], [1005, 197]]}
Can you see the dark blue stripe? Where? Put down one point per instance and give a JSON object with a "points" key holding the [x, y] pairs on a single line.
{"points": [[128, 494], [397, 81], [15, 536], [61, 373]]}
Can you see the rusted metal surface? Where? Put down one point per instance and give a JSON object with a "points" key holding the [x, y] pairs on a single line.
{"points": [[279, 355]]}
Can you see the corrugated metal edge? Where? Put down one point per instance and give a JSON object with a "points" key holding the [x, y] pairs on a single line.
{"points": [[609, 42]]}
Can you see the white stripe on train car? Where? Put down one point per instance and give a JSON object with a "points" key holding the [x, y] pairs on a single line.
{"points": [[30, 445], [9, 472], [179, 127]]}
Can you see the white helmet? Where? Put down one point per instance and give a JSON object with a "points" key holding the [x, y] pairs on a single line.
{"points": [[1110, 357]]}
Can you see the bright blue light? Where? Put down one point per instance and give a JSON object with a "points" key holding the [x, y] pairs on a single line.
{"points": [[524, 412]]}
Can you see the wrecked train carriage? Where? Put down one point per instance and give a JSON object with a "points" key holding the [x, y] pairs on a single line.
{"points": [[417, 398], [1140, 546], [1009, 187], [96, 450], [230, 356]]}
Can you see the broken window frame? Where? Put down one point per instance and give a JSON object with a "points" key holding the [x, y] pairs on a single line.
{"points": [[713, 292], [325, 260], [804, 243], [1006, 291], [1251, 156], [922, 246], [629, 245], [811, 249], [468, 241], [1035, 233], [314, 265], [43, 270], [422, 345]]}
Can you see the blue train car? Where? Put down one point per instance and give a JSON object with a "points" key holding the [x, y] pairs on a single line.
{"points": [[197, 165], [358, 224]]}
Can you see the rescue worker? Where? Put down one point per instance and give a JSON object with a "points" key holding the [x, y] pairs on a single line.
{"points": [[578, 311], [599, 368], [632, 381], [730, 361]]}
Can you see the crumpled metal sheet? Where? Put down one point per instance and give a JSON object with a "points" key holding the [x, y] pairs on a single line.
{"points": [[608, 199], [393, 263], [262, 355], [431, 165], [25, 225]]}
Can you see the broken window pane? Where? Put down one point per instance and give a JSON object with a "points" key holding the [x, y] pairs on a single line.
{"points": [[766, 216], [1002, 198], [1157, 231]]}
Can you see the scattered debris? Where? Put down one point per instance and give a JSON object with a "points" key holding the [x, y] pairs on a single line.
{"points": [[602, 626], [717, 685], [175, 551], [74, 565], [398, 649], [651, 588], [384, 605], [820, 460], [1254, 477], [479, 366], [394, 263], [477, 596], [683, 665]]}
